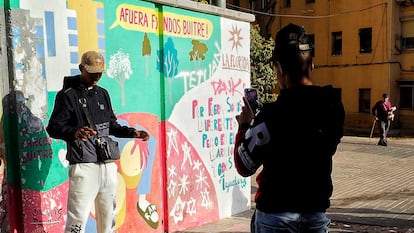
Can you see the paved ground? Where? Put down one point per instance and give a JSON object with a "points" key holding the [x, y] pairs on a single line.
{"points": [[373, 190]]}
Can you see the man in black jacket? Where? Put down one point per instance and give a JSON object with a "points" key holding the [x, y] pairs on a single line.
{"points": [[92, 177], [294, 140]]}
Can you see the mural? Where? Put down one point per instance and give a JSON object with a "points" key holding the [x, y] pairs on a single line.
{"points": [[175, 73]]}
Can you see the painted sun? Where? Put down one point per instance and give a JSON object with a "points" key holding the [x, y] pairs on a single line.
{"points": [[235, 37]]}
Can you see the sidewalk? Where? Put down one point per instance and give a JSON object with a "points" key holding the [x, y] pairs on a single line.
{"points": [[373, 185]]}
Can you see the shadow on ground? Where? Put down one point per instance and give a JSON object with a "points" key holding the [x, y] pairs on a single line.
{"points": [[355, 216]]}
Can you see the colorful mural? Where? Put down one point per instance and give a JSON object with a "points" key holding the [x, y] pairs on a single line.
{"points": [[175, 73]]}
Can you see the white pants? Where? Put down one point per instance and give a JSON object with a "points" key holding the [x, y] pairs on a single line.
{"points": [[89, 182]]}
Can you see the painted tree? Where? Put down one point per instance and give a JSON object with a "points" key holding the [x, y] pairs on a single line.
{"points": [[146, 51], [198, 53], [120, 70], [262, 76], [168, 64]]}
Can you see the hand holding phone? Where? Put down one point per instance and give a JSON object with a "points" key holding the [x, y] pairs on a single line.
{"points": [[246, 114], [251, 96]]}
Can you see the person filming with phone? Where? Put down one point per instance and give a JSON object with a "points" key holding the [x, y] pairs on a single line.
{"points": [[293, 139]]}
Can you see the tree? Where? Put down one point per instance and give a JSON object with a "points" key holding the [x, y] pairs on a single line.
{"points": [[120, 70], [197, 54], [168, 62], [146, 51], [262, 75]]}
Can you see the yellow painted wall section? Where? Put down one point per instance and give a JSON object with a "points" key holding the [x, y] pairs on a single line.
{"points": [[86, 12], [351, 79]]}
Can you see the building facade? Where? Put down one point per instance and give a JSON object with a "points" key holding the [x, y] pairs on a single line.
{"points": [[363, 48]]}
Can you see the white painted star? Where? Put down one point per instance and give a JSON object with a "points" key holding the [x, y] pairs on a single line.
{"points": [[201, 179], [172, 142], [205, 202], [183, 184], [171, 188], [191, 204], [171, 171], [187, 154], [197, 164], [177, 210]]}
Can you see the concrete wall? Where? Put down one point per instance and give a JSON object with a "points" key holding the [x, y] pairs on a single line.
{"points": [[177, 73]]}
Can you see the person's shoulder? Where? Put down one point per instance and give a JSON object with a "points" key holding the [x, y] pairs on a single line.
{"points": [[71, 81], [379, 102], [103, 92], [266, 106], [327, 93], [270, 110], [328, 89], [101, 89]]}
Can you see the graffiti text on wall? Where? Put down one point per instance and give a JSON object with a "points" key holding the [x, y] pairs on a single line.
{"points": [[145, 19], [216, 124], [36, 149], [46, 216], [198, 76]]}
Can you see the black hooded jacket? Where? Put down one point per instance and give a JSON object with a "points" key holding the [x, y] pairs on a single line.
{"points": [[294, 139], [68, 116]]}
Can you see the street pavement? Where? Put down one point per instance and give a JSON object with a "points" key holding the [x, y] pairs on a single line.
{"points": [[373, 185]]}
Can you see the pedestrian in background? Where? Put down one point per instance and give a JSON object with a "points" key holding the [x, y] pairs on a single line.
{"points": [[384, 113], [294, 140], [83, 118]]}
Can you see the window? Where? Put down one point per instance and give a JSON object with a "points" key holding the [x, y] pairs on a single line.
{"points": [[407, 34], [311, 38], [336, 43], [407, 96], [286, 4], [407, 43], [364, 100], [365, 40]]}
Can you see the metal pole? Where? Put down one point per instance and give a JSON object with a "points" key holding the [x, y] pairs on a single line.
{"points": [[373, 126]]}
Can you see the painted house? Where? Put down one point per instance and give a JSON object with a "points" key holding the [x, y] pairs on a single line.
{"points": [[176, 69]]}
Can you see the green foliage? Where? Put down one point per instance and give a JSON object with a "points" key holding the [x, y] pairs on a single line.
{"points": [[262, 75], [202, 1], [199, 50]]}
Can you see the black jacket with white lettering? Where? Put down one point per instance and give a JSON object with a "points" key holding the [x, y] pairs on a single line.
{"points": [[294, 139], [68, 116]]}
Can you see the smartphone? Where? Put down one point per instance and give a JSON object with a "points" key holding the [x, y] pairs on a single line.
{"points": [[251, 95]]}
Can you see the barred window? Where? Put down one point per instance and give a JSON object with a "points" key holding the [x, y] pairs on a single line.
{"points": [[336, 43], [365, 40]]}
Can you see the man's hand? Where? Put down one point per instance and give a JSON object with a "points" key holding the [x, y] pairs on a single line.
{"points": [[246, 114], [84, 133], [142, 134]]}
